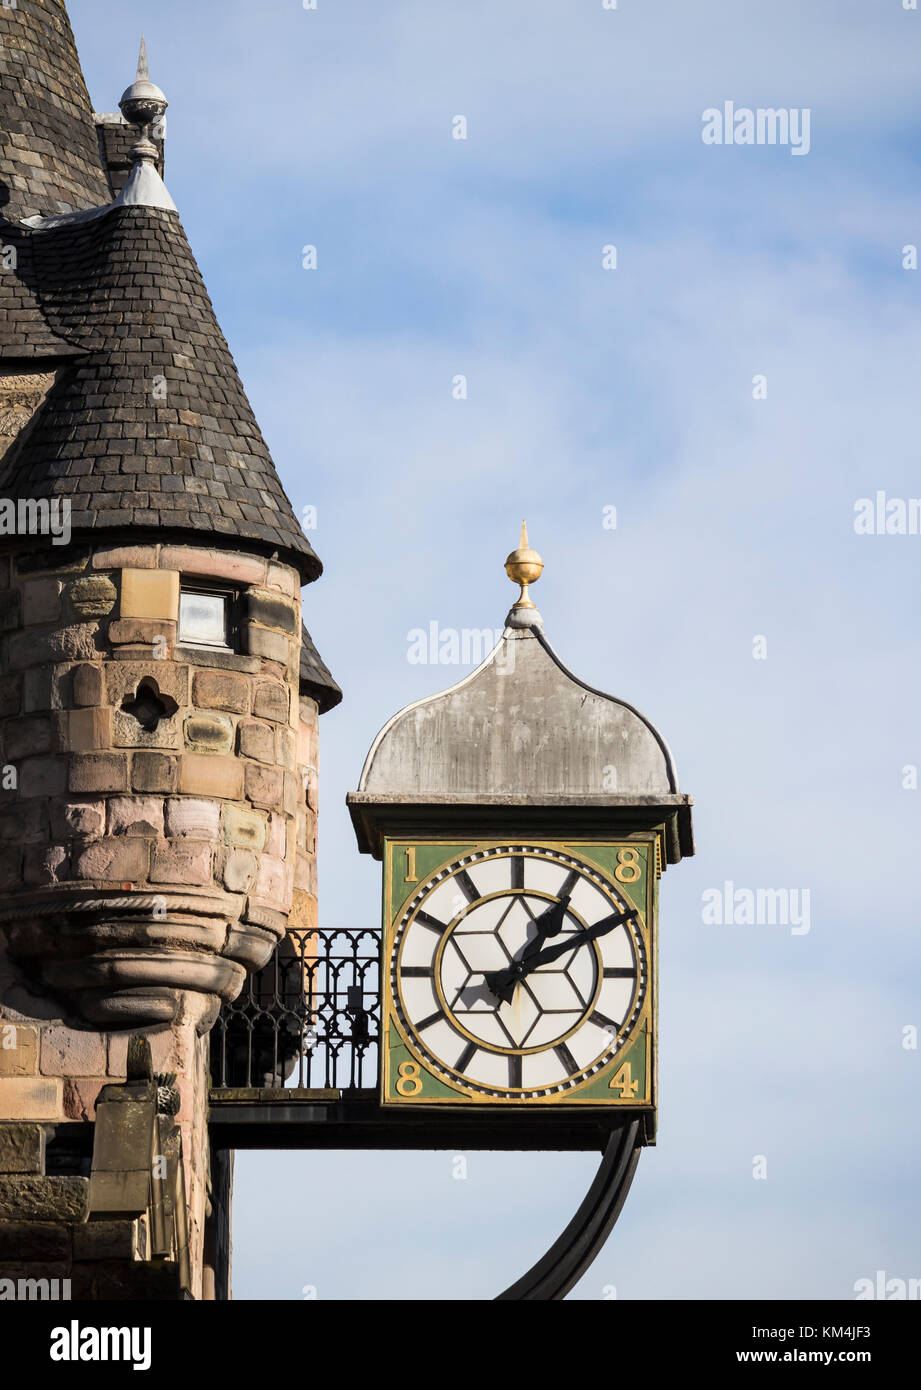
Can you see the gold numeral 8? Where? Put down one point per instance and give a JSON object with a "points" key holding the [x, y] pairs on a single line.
{"points": [[628, 865], [409, 1083]]}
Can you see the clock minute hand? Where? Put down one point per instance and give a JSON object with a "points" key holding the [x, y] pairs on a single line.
{"points": [[552, 953], [502, 982]]}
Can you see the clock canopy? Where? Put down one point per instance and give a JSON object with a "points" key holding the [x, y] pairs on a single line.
{"points": [[520, 743]]}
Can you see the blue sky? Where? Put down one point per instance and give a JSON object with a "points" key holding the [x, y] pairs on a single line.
{"points": [[589, 388]]}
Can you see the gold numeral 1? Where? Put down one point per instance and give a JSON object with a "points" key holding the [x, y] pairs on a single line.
{"points": [[410, 876], [409, 1083], [623, 1082]]}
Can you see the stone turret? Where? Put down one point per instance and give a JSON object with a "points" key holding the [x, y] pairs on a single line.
{"points": [[159, 693]]}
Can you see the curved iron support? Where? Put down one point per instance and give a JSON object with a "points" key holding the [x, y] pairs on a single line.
{"points": [[563, 1265]]}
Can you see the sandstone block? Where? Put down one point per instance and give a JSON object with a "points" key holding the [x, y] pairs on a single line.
{"points": [[120, 1193], [41, 601], [154, 772], [80, 1094], [107, 1240], [127, 732], [245, 569], [273, 646], [218, 690], [239, 870], [91, 597], [181, 861], [43, 777], [264, 786], [206, 774], [124, 679], [22, 1148], [294, 793], [257, 741], [18, 1052], [28, 737], [157, 636], [281, 577], [44, 1199], [69, 1052], [135, 815], [114, 861], [28, 1098], [303, 910], [309, 712], [208, 733], [246, 828], [274, 883], [87, 685], [305, 877], [164, 1051], [286, 748], [270, 610], [150, 594], [121, 557], [192, 818], [88, 729], [78, 642], [70, 559], [276, 838], [271, 701], [45, 1242], [77, 818], [98, 772]]}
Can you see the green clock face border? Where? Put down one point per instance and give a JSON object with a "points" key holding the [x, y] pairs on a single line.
{"points": [[623, 871]]}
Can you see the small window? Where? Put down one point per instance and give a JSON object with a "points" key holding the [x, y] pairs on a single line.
{"points": [[207, 618]]}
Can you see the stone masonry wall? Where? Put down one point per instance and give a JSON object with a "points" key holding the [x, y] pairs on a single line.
{"points": [[216, 804]]}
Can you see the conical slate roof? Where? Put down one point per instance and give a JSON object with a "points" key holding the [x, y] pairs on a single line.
{"points": [[146, 427], [150, 428], [49, 151]]}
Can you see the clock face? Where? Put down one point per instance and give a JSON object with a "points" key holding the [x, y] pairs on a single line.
{"points": [[514, 975]]}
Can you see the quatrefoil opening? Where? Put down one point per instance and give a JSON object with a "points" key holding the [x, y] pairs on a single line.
{"points": [[148, 705]]}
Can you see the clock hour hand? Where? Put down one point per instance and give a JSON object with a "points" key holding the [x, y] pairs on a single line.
{"points": [[549, 923], [502, 982]]}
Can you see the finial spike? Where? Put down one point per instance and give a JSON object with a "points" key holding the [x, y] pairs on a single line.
{"points": [[143, 69]]}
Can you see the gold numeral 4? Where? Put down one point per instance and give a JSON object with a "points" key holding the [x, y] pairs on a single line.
{"points": [[623, 1081]]}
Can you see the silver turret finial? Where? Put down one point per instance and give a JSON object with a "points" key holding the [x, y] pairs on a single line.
{"points": [[144, 105]]}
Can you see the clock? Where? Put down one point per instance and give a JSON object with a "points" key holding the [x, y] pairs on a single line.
{"points": [[519, 973]]}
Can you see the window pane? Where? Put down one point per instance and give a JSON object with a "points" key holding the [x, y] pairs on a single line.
{"points": [[203, 619]]}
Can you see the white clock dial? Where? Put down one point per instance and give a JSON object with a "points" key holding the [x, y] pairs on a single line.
{"points": [[503, 909]]}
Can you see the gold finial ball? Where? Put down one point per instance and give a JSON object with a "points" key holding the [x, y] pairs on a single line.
{"points": [[524, 566]]}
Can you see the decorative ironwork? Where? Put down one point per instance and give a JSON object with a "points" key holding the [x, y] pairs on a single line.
{"points": [[309, 1018]]}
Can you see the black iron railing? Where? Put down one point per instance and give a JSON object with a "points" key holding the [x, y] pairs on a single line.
{"points": [[309, 1018]]}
